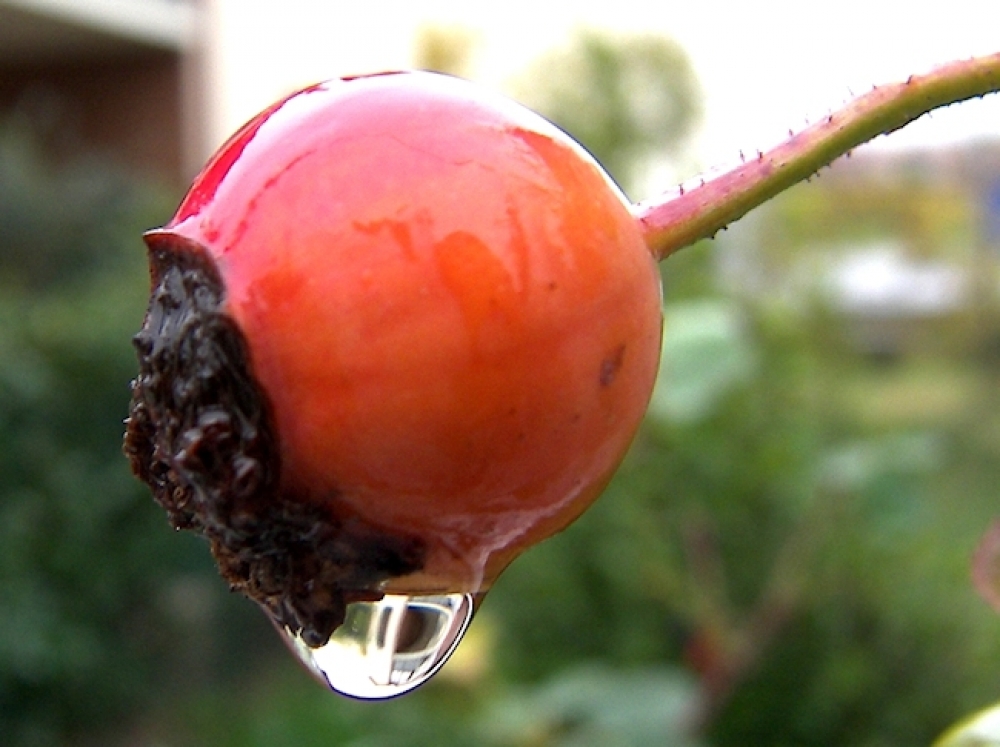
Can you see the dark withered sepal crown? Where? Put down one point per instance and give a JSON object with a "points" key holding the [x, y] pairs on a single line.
{"points": [[200, 433]]}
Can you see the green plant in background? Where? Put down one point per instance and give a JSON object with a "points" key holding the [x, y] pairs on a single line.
{"points": [[632, 100], [101, 610]]}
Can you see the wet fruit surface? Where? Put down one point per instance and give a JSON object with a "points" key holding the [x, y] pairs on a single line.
{"points": [[448, 311]]}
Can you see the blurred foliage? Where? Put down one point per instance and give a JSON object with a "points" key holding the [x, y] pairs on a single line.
{"points": [[629, 99], [96, 594], [58, 216], [445, 49], [783, 558]]}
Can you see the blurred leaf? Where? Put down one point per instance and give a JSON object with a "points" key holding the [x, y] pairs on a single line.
{"points": [[627, 99], [705, 355], [596, 706], [856, 465]]}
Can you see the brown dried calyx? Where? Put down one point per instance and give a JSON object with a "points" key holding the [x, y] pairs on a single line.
{"points": [[200, 434]]}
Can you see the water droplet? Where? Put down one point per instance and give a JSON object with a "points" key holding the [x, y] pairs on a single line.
{"points": [[389, 647]]}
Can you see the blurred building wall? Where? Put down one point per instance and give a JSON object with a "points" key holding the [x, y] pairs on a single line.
{"points": [[110, 76]]}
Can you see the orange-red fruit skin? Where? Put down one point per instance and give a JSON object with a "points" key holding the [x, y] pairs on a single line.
{"points": [[449, 306]]}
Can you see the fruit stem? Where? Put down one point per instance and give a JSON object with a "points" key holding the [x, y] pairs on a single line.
{"points": [[682, 216]]}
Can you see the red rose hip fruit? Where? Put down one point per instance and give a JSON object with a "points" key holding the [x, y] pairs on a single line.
{"points": [[401, 329]]}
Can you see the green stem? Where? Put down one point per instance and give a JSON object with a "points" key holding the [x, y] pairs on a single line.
{"points": [[683, 216]]}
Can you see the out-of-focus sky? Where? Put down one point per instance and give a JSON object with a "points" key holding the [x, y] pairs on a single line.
{"points": [[765, 66]]}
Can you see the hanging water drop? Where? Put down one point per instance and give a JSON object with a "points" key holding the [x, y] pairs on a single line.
{"points": [[388, 647]]}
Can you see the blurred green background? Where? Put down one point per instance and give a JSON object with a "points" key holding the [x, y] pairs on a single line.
{"points": [[783, 559]]}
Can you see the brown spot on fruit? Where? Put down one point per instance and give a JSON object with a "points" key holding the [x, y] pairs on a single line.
{"points": [[611, 364]]}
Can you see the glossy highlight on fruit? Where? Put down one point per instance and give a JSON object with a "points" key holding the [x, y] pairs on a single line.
{"points": [[401, 330]]}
